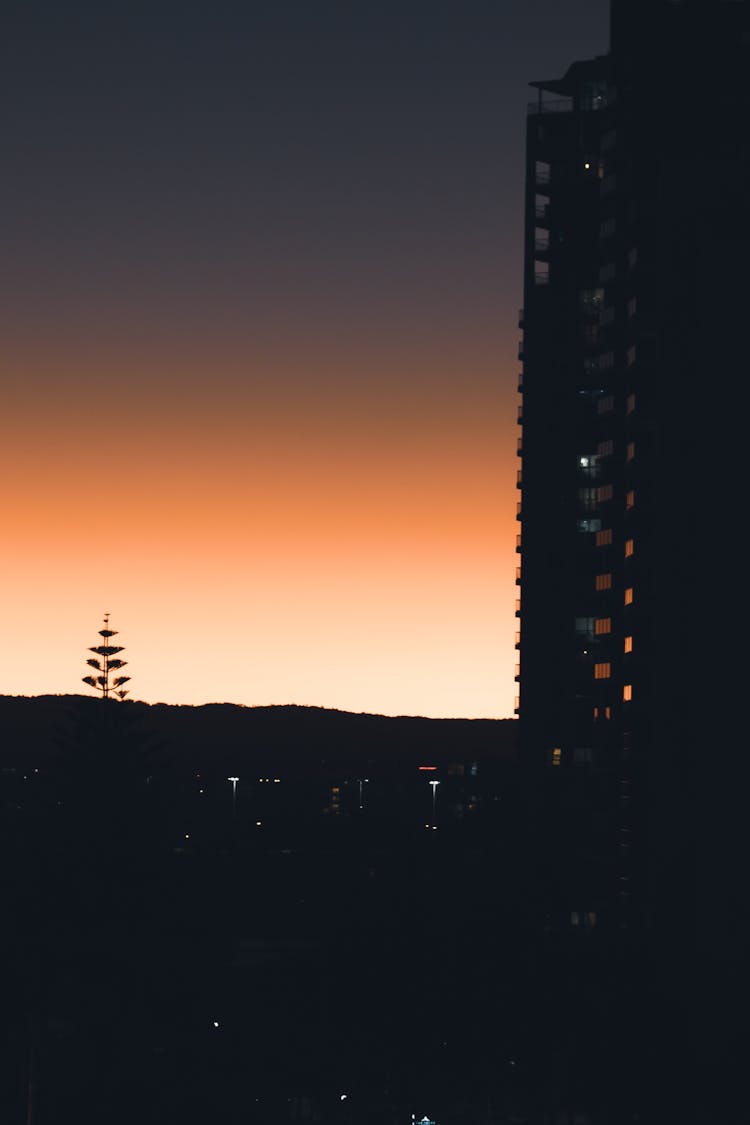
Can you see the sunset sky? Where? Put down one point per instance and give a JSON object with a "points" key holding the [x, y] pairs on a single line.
{"points": [[261, 271]]}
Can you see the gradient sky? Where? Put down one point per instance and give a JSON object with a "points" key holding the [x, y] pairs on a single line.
{"points": [[261, 268]]}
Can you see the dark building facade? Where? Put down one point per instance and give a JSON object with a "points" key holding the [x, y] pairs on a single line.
{"points": [[635, 338]]}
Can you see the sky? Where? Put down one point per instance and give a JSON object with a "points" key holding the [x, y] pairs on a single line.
{"points": [[261, 272]]}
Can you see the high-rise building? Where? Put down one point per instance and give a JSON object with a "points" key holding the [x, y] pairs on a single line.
{"points": [[632, 605]]}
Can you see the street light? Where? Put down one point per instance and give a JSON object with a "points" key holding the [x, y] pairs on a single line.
{"points": [[234, 781], [434, 785]]}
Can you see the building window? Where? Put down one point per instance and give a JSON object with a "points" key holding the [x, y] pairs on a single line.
{"points": [[602, 625], [630, 356], [602, 671], [632, 307], [582, 755], [585, 626], [607, 228], [555, 757], [605, 448], [604, 713], [630, 499], [541, 239], [630, 451], [605, 405], [588, 498], [628, 644], [604, 492], [630, 404], [588, 525], [541, 272], [591, 300], [627, 693], [607, 272], [541, 204], [629, 548], [542, 171], [604, 538], [604, 581], [629, 596]]}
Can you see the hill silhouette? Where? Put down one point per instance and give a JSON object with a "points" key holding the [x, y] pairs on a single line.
{"points": [[227, 735]]}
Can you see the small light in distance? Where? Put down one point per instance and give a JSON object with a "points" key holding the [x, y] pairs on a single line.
{"points": [[216, 1023], [343, 1097], [258, 823]]}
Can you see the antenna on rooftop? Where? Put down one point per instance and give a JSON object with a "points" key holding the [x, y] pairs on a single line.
{"points": [[107, 685]]}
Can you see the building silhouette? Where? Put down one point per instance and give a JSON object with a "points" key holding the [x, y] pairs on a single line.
{"points": [[635, 340]]}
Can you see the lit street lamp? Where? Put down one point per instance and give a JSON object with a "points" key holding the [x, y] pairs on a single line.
{"points": [[234, 781], [434, 785]]}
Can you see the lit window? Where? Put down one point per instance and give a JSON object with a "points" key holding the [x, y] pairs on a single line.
{"points": [[629, 596], [602, 712], [630, 451], [602, 625], [604, 581], [585, 626], [629, 548], [630, 404], [602, 671], [630, 499], [604, 492], [628, 644], [604, 538], [556, 756], [605, 448], [627, 693]]}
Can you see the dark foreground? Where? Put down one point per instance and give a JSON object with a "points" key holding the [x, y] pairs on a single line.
{"points": [[313, 951]]}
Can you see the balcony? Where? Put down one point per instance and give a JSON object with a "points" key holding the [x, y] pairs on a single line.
{"points": [[518, 543], [521, 318], [518, 576], [555, 105], [521, 353], [519, 479]]}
